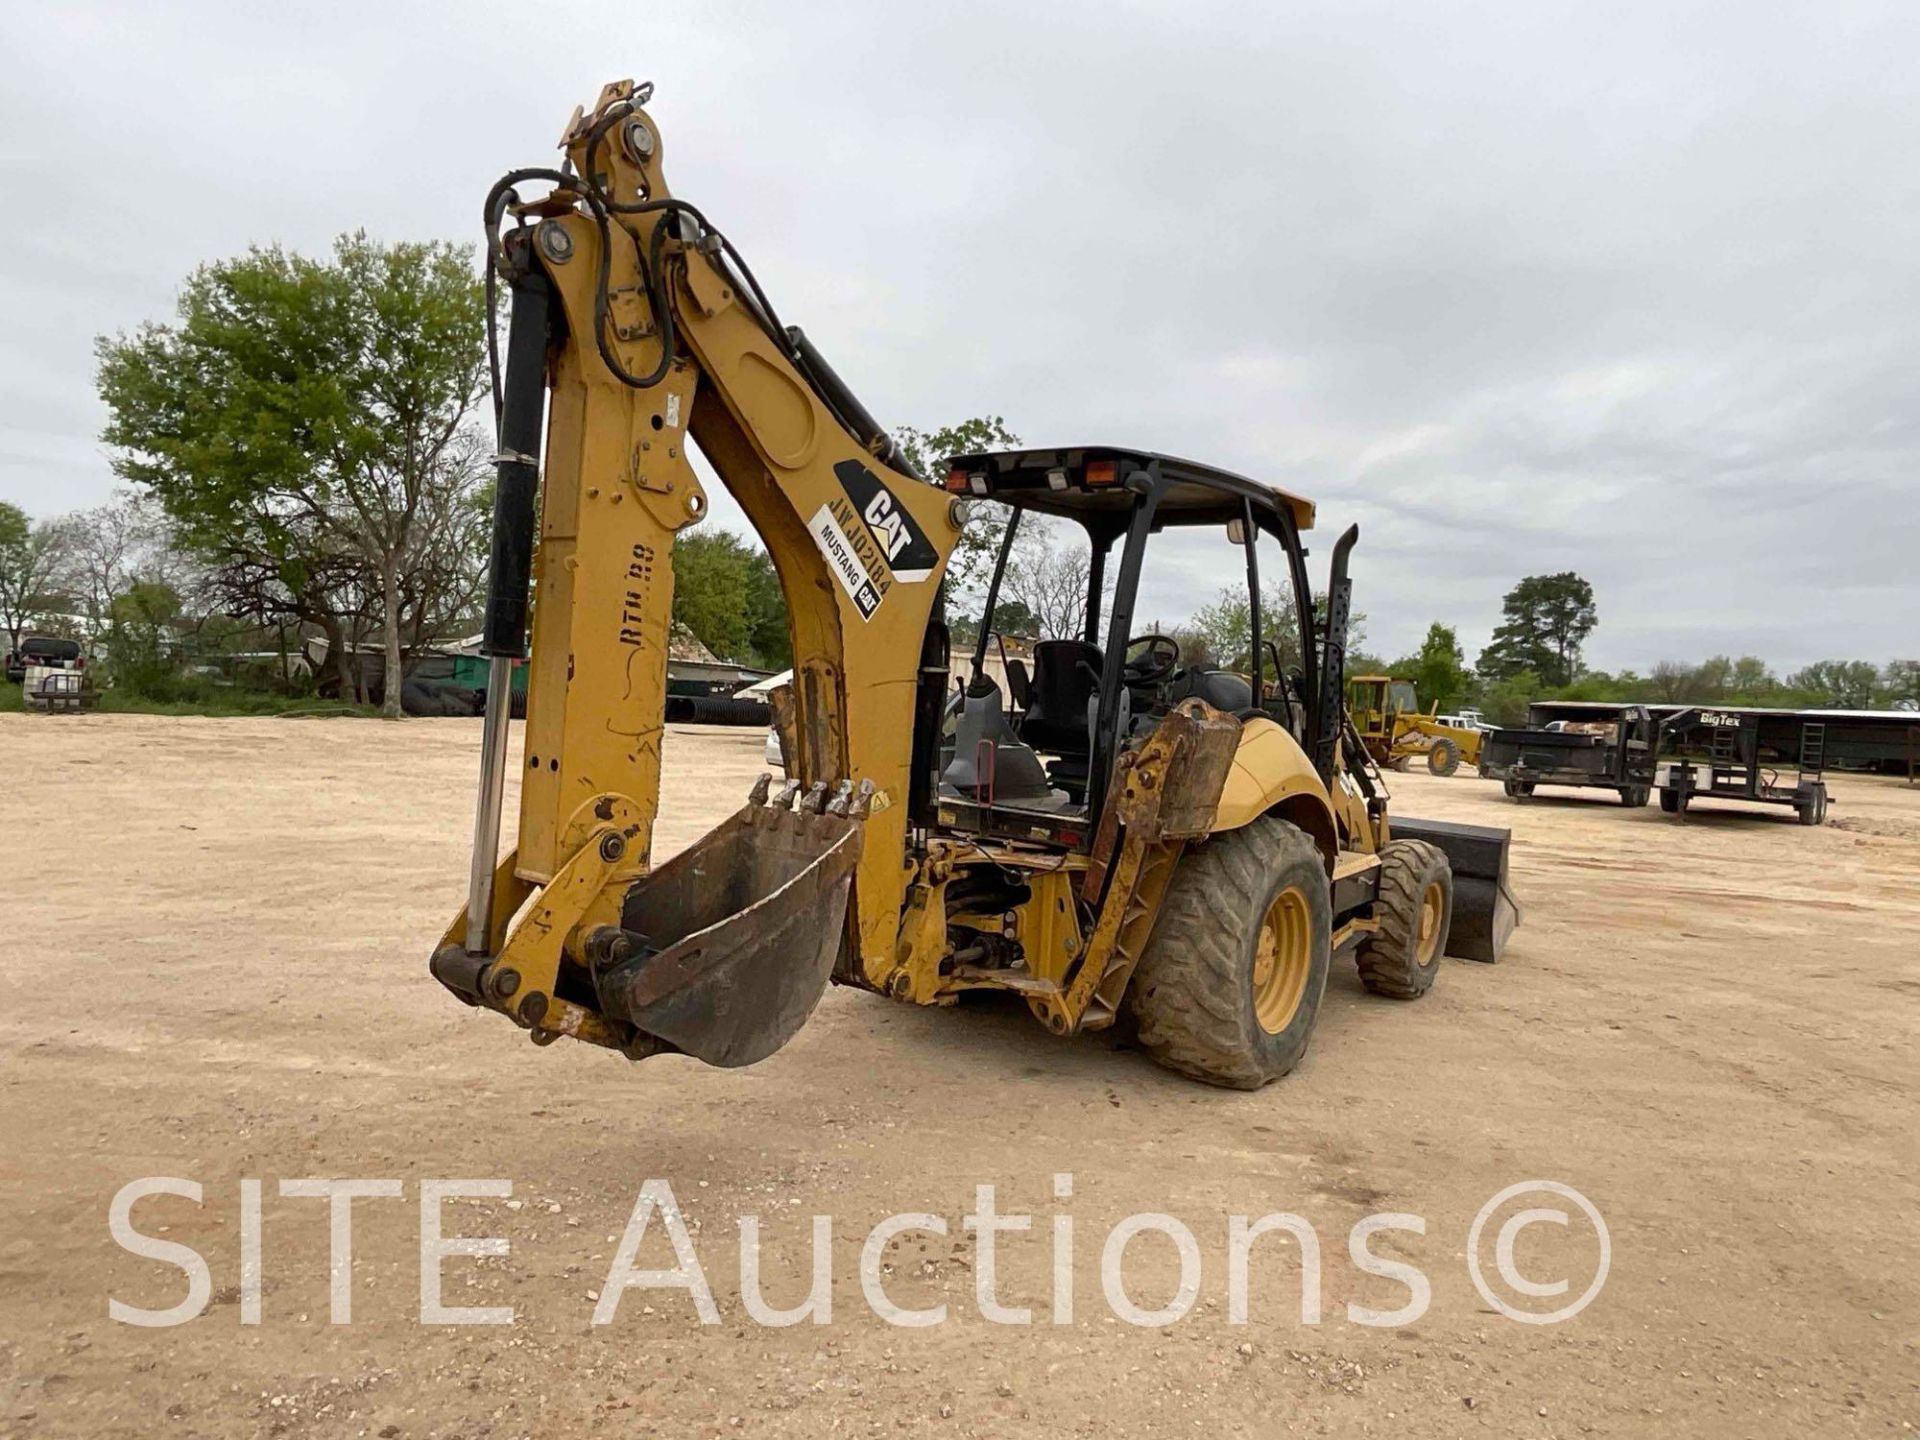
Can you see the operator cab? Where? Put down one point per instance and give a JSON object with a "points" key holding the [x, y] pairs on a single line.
{"points": [[1374, 701], [1031, 758]]}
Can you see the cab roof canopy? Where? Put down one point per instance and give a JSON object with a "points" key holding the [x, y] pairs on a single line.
{"points": [[1091, 483]]}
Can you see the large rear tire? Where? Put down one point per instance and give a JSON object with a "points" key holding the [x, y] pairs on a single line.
{"points": [[1635, 796], [1230, 983], [1415, 910], [1444, 757]]}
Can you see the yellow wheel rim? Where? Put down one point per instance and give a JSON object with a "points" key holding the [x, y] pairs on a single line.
{"points": [[1433, 906], [1282, 959]]}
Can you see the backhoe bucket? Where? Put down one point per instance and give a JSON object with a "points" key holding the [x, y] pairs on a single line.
{"points": [[723, 952], [1484, 910]]}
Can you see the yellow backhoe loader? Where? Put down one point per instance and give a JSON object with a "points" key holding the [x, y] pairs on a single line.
{"points": [[1395, 730], [1123, 836]]}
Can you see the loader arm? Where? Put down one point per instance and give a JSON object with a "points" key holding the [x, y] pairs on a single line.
{"points": [[640, 327]]}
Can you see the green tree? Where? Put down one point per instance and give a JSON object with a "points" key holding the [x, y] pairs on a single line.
{"points": [[985, 525], [1714, 677], [1224, 628], [1505, 700], [769, 642], [725, 591], [1847, 684], [1439, 672], [1596, 685], [303, 407], [1010, 618], [1902, 683], [1674, 682], [142, 642], [32, 556], [1750, 679], [711, 574], [1547, 620]]}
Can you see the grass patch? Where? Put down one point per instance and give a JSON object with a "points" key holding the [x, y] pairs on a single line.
{"points": [[215, 702]]}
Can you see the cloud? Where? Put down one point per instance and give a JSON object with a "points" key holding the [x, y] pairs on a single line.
{"points": [[1622, 289]]}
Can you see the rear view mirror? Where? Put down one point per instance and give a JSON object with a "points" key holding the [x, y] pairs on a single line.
{"points": [[1237, 531]]}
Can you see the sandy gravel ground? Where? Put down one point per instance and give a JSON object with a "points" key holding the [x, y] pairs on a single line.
{"points": [[214, 945]]}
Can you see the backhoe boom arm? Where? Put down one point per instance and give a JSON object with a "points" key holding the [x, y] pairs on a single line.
{"points": [[638, 329]]}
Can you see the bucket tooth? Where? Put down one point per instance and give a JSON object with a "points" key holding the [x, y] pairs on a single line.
{"points": [[842, 802], [783, 798], [815, 800], [758, 794]]}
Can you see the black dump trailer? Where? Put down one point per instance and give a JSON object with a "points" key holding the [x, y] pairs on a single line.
{"points": [[1589, 747], [1750, 756]]}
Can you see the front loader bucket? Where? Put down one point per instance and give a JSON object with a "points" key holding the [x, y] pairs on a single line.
{"points": [[723, 952], [1484, 910]]}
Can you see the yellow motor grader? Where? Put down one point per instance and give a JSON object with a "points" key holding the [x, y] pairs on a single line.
{"points": [[1395, 731], [1122, 836]]}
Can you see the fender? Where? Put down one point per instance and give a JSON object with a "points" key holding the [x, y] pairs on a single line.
{"points": [[1272, 774]]}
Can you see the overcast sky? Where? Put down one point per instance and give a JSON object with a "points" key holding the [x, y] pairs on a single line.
{"points": [[1629, 290]]}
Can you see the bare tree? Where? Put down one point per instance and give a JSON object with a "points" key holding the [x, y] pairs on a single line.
{"points": [[1047, 573], [325, 589], [113, 546], [33, 555], [1674, 683], [445, 573]]}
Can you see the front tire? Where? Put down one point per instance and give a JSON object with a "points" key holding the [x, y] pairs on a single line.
{"points": [[1635, 796], [1671, 802], [1415, 910], [1519, 789], [1230, 984], [1444, 757]]}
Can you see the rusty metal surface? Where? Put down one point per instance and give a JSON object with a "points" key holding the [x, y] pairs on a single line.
{"points": [[732, 941], [780, 704], [1204, 741]]}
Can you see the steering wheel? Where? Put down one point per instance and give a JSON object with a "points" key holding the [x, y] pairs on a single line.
{"points": [[1155, 662]]}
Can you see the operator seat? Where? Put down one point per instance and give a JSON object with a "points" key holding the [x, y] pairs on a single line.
{"points": [[1066, 673], [1065, 689], [1222, 689]]}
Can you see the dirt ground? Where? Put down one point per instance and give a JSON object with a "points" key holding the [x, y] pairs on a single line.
{"points": [[217, 932]]}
